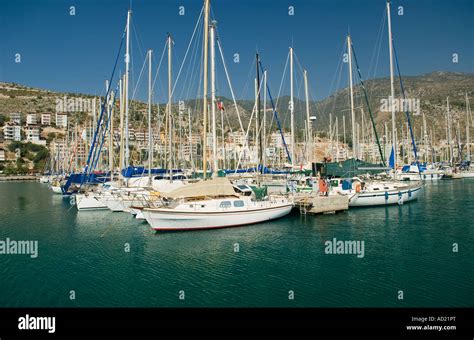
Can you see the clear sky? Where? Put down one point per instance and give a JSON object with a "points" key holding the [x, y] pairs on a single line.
{"points": [[62, 52]]}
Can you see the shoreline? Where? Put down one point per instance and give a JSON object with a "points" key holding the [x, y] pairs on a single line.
{"points": [[18, 178]]}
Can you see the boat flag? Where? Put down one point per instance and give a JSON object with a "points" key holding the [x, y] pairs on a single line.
{"points": [[220, 106]]}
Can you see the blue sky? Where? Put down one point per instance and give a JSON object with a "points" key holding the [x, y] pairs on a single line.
{"points": [[76, 53]]}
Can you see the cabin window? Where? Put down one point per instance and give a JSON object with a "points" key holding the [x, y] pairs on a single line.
{"points": [[386, 188], [225, 204], [239, 204], [376, 189]]}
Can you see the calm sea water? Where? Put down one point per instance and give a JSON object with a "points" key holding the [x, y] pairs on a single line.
{"points": [[408, 248]]}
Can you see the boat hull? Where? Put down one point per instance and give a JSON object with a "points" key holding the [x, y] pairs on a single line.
{"points": [[367, 199], [168, 219], [425, 176], [113, 203], [56, 189], [89, 202], [467, 174]]}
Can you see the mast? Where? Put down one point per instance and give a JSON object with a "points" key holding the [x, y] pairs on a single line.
{"points": [[150, 132], [190, 139], [308, 120], [255, 86], [223, 141], [425, 138], [127, 72], [170, 131], [111, 131], [94, 119], [77, 146], [204, 111], [337, 141], [351, 90], [468, 127], [362, 144], [212, 39], [330, 136], [458, 140], [358, 138], [392, 92], [264, 151], [344, 132], [122, 149], [292, 111], [449, 132], [259, 132]]}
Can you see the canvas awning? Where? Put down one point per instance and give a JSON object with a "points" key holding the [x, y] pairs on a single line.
{"points": [[219, 186]]}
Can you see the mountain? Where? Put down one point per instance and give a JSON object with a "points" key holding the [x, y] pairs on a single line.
{"points": [[429, 90]]}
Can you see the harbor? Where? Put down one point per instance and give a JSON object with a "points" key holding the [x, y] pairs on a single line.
{"points": [[197, 176], [405, 249]]}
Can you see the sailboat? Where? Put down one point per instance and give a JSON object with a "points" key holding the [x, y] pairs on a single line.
{"points": [[213, 203], [377, 192], [134, 182]]}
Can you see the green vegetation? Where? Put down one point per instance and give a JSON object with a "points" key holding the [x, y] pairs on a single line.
{"points": [[29, 153], [3, 119]]}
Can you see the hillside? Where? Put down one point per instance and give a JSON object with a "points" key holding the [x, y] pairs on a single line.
{"points": [[431, 90]]}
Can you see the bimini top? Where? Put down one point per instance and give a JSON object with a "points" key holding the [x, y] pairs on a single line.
{"points": [[219, 186]]}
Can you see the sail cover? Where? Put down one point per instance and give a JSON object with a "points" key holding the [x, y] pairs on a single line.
{"points": [[219, 186]]}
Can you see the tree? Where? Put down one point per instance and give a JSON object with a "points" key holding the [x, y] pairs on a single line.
{"points": [[3, 119]]}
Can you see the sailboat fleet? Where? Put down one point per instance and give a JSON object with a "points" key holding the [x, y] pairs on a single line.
{"points": [[171, 198]]}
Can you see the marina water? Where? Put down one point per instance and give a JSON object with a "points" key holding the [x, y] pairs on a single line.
{"points": [[100, 258]]}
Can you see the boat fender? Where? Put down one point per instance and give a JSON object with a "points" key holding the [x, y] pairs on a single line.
{"points": [[358, 187], [72, 200], [386, 195]]}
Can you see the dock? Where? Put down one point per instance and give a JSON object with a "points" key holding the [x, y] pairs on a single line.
{"points": [[313, 203]]}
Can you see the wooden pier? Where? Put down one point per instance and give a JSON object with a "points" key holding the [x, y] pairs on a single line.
{"points": [[313, 203]]}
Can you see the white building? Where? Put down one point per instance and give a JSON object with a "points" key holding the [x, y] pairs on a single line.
{"points": [[15, 118], [237, 137], [277, 140], [61, 120], [12, 133], [2, 155], [46, 119], [31, 119], [32, 133]]}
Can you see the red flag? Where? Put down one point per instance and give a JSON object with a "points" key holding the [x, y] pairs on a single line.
{"points": [[220, 106]]}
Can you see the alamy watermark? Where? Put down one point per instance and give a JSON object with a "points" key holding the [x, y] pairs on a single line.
{"points": [[13, 247], [75, 104], [28, 322], [401, 105], [336, 247]]}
